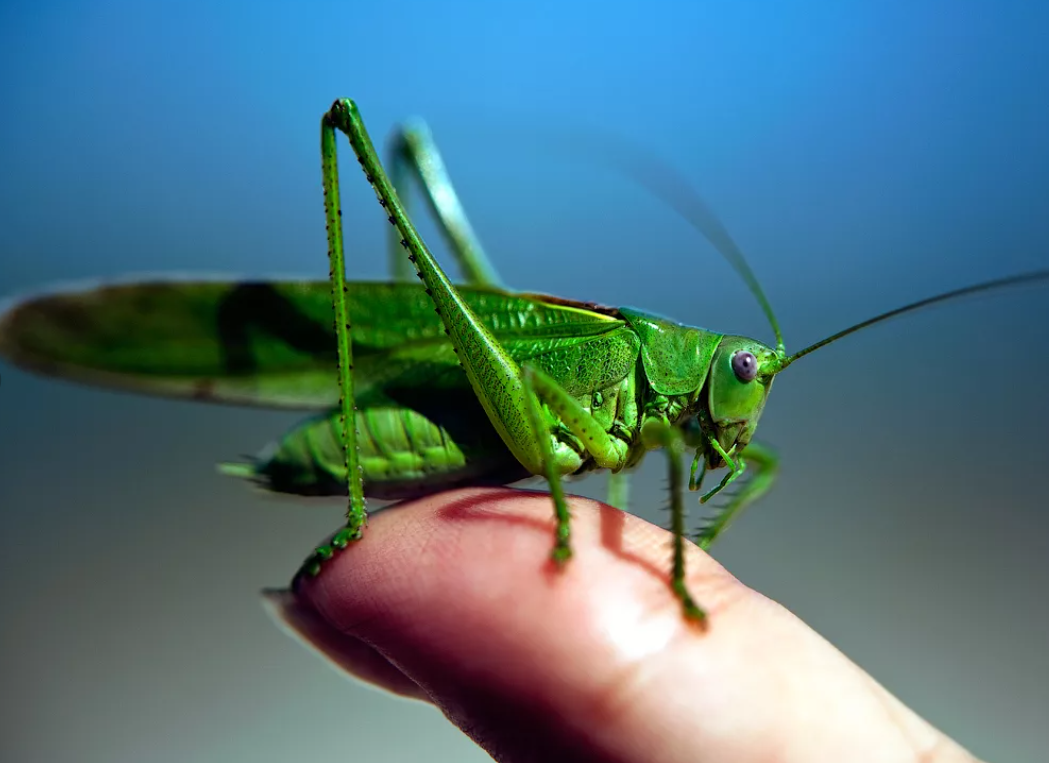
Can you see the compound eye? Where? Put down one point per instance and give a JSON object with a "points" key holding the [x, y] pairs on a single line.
{"points": [[745, 366]]}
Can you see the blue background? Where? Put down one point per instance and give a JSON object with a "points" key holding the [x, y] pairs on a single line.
{"points": [[863, 154]]}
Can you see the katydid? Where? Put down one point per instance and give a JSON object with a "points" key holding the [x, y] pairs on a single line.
{"points": [[446, 385]]}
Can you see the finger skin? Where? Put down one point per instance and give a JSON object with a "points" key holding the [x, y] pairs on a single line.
{"points": [[453, 598]]}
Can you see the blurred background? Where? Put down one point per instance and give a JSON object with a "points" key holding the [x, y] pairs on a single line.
{"points": [[863, 154]]}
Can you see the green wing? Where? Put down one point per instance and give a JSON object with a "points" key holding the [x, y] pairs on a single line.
{"points": [[271, 343]]}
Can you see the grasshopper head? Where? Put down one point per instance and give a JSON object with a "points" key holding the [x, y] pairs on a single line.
{"points": [[741, 375]]}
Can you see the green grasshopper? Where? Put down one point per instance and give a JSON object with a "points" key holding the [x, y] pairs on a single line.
{"points": [[445, 385]]}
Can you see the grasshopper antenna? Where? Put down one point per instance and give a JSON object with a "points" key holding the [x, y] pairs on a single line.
{"points": [[668, 185], [1030, 277]]}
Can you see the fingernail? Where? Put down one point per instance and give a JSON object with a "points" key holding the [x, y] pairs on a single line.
{"points": [[301, 622], [288, 612], [346, 653]]}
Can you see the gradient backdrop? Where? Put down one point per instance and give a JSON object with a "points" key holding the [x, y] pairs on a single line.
{"points": [[864, 154]]}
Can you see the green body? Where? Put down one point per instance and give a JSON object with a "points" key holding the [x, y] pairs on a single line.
{"points": [[421, 427], [445, 385]]}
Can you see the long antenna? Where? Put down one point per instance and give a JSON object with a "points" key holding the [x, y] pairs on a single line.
{"points": [[668, 185], [999, 283]]}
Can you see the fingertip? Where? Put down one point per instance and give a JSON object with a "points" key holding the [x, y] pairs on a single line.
{"points": [[456, 593]]}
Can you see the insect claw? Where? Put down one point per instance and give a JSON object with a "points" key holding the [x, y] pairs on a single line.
{"points": [[560, 555]]}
